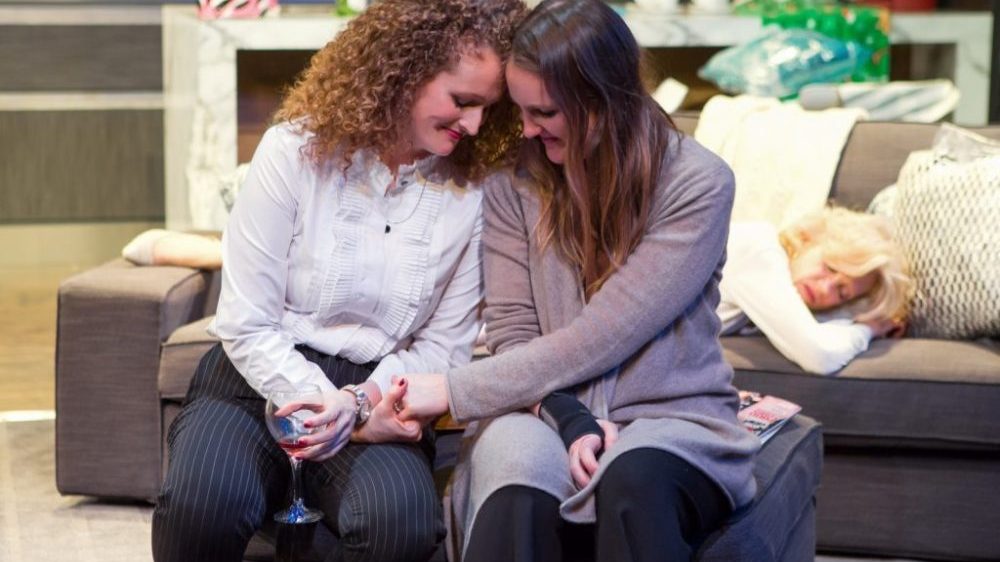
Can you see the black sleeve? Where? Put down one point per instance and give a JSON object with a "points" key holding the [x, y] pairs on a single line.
{"points": [[569, 417]]}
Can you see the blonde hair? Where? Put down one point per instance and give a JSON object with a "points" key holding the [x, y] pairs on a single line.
{"points": [[361, 85], [857, 244]]}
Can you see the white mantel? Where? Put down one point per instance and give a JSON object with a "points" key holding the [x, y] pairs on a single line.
{"points": [[199, 80]]}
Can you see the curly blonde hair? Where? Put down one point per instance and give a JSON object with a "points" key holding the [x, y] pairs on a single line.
{"points": [[361, 85], [857, 244]]}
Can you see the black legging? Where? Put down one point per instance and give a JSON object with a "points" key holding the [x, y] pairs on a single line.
{"points": [[227, 475], [651, 505]]}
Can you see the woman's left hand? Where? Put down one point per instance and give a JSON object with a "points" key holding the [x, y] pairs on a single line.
{"points": [[426, 398], [334, 422], [583, 453]]}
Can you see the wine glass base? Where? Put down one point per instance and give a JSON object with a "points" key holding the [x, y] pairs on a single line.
{"points": [[298, 515]]}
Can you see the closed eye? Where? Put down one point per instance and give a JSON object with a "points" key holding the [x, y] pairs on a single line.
{"points": [[460, 102], [843, 291], [463, 102]]}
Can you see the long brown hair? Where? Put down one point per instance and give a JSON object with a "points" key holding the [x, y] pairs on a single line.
{"points": [[596, 205], [361, 85]]}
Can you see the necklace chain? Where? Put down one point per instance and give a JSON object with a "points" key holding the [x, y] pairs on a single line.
{"points": [[423, 186]]}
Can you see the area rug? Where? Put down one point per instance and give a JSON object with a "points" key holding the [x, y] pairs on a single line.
{"points": [[38, 524]]}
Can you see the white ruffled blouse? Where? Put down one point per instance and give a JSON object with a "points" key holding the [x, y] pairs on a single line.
{"points": [[349, 264]]}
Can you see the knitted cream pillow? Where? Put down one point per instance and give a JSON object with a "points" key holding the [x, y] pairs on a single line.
{"points": [[947, 214]]}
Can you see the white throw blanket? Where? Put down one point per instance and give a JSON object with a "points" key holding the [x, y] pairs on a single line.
{"points": [[784, 157]]}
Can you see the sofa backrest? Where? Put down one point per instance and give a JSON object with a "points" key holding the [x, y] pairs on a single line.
{"points": [[873, 156], [875, 153]]}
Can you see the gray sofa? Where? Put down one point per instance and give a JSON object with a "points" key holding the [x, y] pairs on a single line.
{"points": [[911, 428]]}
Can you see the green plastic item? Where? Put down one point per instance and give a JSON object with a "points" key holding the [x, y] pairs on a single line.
{"points": [[341, 9], [852, 23]]}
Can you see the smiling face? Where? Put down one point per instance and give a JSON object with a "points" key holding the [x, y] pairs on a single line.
{"points": [[822, 288], [452, 104], [539, 115]]}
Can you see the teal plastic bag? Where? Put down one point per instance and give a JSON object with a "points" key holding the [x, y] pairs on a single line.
{"points": [[780, 62]]}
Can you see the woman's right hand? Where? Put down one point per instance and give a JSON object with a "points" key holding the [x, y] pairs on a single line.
{"points": [[426, 398], [583, 453], [335, 420]]}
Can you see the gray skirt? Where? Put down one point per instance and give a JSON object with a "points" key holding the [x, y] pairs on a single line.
{"points": [[520, 449]]}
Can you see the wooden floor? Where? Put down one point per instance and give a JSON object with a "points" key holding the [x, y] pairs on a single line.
{"points": [[27, 335], [34, 259]]}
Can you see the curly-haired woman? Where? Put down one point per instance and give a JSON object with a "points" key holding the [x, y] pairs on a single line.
{"points": [[352, 254]]}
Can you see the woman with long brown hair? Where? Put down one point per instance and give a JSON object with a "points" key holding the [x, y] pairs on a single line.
{"points": [[352, 254], [607, 399]]}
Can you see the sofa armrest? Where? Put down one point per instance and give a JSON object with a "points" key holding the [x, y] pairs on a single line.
{"points": [[111, 322]]}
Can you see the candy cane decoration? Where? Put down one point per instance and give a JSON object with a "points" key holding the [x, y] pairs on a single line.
{"points": [[220, 9]]}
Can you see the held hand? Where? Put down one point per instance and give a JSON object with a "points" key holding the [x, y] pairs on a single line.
{"points": [[383, 426], [426, 398], [583, 453], [335, 420]]}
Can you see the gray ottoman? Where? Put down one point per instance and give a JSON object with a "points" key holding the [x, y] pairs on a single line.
{"points": [[780, 523]]}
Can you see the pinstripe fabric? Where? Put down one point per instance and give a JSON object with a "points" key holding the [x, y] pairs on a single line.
{"points": [[227, 476]]}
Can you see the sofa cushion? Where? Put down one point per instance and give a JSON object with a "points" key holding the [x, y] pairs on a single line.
{"points": [[909, 392], [180, 355]]}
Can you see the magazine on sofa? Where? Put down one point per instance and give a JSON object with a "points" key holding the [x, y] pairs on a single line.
{"points": [[764, 414]]}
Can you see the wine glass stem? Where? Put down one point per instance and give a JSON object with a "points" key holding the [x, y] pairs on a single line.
{"points": [[296, 480]]}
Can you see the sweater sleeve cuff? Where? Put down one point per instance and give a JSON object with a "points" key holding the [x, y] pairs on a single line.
{"points": [[564, 413]]}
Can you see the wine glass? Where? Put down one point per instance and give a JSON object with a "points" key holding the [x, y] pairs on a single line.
{"points": [[307, 399]]}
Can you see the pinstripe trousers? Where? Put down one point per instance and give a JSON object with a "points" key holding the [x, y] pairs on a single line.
{"points": [[227, 476]]}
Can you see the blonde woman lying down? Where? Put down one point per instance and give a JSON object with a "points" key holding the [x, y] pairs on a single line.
{"points": [[844, 265]]}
